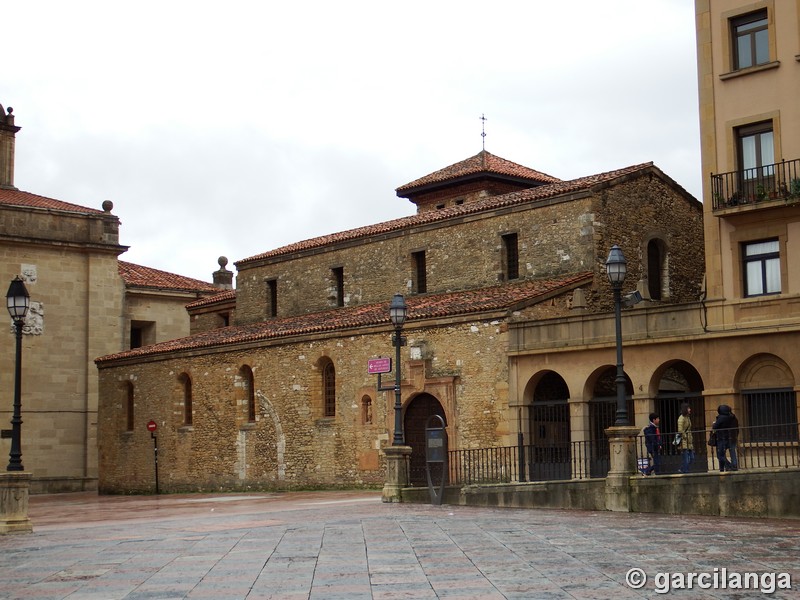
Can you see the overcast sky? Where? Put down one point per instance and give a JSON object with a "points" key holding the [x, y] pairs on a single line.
{"points": [[232, 128]]}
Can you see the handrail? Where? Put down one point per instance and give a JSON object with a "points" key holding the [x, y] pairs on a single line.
{"points": [[750, 186]]}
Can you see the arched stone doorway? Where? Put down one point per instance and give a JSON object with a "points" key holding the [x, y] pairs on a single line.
{"points": [[549, 430], [602, 414], [416, 417], [680, 382]]}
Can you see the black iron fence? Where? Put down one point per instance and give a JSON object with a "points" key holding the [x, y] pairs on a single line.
{"points": [[747, 186], [758, 447], [502, 464]]}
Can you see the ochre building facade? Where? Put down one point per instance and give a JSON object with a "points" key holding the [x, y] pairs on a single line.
{"points": [[85, 303]]}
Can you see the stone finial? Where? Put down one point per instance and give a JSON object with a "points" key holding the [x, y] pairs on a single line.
{"points": [[108, 206], [223, 278], [8, 132]]}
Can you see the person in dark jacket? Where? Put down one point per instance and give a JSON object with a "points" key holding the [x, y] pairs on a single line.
{"points": [[654, 444], [726, 428]]}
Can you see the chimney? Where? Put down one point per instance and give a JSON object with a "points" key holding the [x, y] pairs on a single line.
{"points": [[8, 132], [223, 278]]}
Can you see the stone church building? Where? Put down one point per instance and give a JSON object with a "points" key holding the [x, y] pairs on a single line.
{"points": [[271, 389]]}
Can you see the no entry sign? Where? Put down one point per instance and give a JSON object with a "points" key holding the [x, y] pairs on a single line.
{"points": [[151, 426]]}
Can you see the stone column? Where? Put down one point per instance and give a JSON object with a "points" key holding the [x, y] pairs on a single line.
{"points": [[622, 448], [14, 490], [397, 470]]}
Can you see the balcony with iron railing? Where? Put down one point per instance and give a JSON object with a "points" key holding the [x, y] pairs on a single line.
{"points": [[766, 185]]}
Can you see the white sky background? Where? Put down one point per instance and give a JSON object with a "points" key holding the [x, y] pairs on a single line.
{"points": [[233, 128]]}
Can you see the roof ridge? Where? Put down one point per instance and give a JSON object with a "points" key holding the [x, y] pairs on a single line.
{"points": [[482, 162], [527, 195], [462, 302]]}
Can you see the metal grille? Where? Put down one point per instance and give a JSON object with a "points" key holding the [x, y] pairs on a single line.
{"points": [[329, 389], [771, 415]]}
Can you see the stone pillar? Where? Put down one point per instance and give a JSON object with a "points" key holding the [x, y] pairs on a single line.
{"points": [[397, 469], [14, 490], [622, 448]]}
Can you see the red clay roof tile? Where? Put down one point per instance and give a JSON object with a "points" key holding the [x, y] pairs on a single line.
{"points": [[147, 277], [451, 304], [225, 296], [20, 198], [483, 162]]}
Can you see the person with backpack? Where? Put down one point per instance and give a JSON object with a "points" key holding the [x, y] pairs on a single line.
{"points": [[726, 431], [654, 444]]}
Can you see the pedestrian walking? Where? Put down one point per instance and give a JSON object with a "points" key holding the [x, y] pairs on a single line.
{"points": [[726, 431], [686, 443], [654, 445]]}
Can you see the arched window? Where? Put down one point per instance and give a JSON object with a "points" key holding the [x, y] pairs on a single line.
{"points": [[186, 384], [366, 410], [329, 389], [129, 408]]}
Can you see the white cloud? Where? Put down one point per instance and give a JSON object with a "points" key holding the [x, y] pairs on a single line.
{"points": [[236, 128]]}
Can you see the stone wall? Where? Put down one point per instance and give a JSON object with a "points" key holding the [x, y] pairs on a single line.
{"points": [[460, 254], [771, 493], [291, 444], [640, 210], [557, 236]]}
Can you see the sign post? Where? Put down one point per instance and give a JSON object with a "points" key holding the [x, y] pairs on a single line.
{"points": [[151, 427], [379, 366]]}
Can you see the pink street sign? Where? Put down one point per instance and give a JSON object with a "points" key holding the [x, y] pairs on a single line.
{"points": [[379, 365]]}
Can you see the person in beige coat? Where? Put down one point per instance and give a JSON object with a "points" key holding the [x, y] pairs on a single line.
{"points": [[685, 430]]}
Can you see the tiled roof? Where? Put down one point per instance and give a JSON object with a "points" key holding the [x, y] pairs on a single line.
{"points": [[502, 297], [20, 198], [147, 277], [225, 296], [483, 162], [530, 195]]}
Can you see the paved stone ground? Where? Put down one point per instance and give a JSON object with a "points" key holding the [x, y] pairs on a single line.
{"points": [[349, 545]]}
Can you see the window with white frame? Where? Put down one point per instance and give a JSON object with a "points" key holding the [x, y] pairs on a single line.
{"points": [[756, 151], [762, 267]]}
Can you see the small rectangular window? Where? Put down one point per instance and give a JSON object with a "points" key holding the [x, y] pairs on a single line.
{"points": [[510, 256], [130, 408], [420, 272], [143, 333], [762, 268], [750, 35], [338, 281], [272, 298]]}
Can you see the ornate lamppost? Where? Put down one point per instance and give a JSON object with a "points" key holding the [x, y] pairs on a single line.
{"points": [[616, 269], [18, 301], [397, 314]]}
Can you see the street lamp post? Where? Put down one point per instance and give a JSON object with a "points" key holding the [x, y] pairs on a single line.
{"points": [[616, 269], [18, 301], [397, 314]]}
